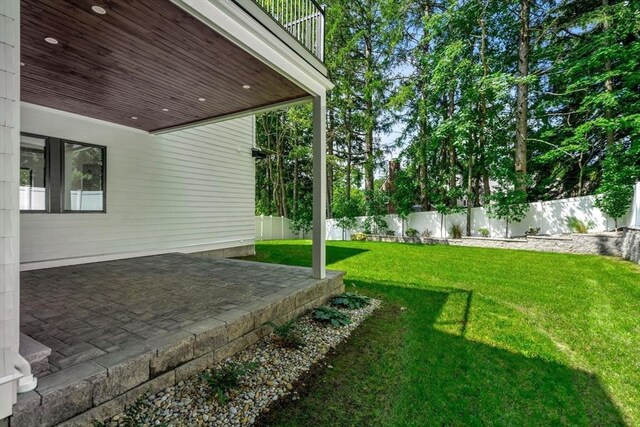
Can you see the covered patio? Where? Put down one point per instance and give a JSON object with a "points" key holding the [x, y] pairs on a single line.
{"points": [[120, 329], [146, 110]]}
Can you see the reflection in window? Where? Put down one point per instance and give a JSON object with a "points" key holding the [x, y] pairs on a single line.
{"points": [[83, 177], [32, 173]]}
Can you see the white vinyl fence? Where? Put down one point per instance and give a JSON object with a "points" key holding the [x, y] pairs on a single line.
{"points": [[550, 217], [276, 228], [34, 199]]}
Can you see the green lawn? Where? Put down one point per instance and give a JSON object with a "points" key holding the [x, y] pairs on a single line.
{"points": [[471, 336]]}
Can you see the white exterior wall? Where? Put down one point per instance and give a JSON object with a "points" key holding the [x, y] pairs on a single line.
{"points": [[188, 191], [9, 216]]}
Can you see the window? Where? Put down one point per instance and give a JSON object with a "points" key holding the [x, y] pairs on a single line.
{"points": [[33, 170], [83, 177], [61, 176]]}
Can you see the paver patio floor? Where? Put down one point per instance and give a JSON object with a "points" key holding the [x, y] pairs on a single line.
{"points": [[84, 311]]}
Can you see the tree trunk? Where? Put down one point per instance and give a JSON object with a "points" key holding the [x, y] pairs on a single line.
{"points": [[452, 150], [608, 84], [280, 167], [330, 165], [483, 112], [347, 192], [369, 161], [522, 107], [469, 186], [294, 201], [423, 168]]}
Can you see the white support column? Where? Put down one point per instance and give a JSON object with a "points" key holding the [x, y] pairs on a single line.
{"points": [[318, 260], [9, 201]]}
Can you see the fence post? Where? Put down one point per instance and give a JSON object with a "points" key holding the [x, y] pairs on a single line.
{"points": [[635, 207]]}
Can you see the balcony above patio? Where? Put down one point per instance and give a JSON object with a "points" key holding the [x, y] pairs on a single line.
{"points": [[159, 65]]}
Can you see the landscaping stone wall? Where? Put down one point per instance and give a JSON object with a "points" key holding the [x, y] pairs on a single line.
{"points": [[631, 244], [595, 244]]}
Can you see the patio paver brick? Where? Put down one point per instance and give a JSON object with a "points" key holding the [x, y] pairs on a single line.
{"points": [[120, 329]]}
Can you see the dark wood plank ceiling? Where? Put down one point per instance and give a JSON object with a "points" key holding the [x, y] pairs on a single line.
{"points": [[139, 58]]}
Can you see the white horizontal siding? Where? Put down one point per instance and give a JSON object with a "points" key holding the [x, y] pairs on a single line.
{"points": [[189, 191], [9, 193]]}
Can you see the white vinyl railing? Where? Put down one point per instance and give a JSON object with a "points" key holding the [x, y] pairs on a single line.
{"points": [[303, 19]]}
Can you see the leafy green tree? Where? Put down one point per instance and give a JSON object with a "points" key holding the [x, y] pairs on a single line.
{"points": [[376, 209], [621, 169], [588, 98], [347, 210], [403, 197], [508, 202]]}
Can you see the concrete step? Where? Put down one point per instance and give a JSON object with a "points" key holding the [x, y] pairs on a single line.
{"points": [[37, 354]]}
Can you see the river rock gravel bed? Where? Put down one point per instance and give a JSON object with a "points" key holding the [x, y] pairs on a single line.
{"points": [[274, 371]]}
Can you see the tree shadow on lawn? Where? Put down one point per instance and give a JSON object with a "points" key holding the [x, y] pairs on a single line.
{"points": [[398, 368], [297, 254]]}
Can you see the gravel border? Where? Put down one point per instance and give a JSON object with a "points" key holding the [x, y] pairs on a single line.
{"points": [[192, 403]]}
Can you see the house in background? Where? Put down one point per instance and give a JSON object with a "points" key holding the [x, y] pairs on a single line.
{"points": [[126, 130]]}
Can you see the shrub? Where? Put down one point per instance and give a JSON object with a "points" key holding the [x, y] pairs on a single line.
{"points": [[484, 232], [332, 316], [390, 233], [351, 301], [532, 231], [360, 237], [427, 233], [226, 378], [287, 335], [456, 231], [412, 232], [578, 226]]}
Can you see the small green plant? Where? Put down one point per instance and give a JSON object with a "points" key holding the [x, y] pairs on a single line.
{"points": [[390, 233], [412, 232], [532, 231], [456, 231], [427, 233], [287, 335], [226, 378], [332, 316], [578, 226], [360, 237], [484, 232], [351, 301]]}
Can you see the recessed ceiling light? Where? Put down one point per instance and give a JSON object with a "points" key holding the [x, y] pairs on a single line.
{"points": [[134, 118], [99, 10], [201, 99], [246, 87], [51, 40], [165, 109]]}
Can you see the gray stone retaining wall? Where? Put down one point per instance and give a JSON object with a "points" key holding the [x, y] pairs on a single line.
{"points": [[631, 244], [595, 244]]}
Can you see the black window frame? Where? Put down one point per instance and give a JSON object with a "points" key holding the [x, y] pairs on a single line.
{"points": [[55, 179]]}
